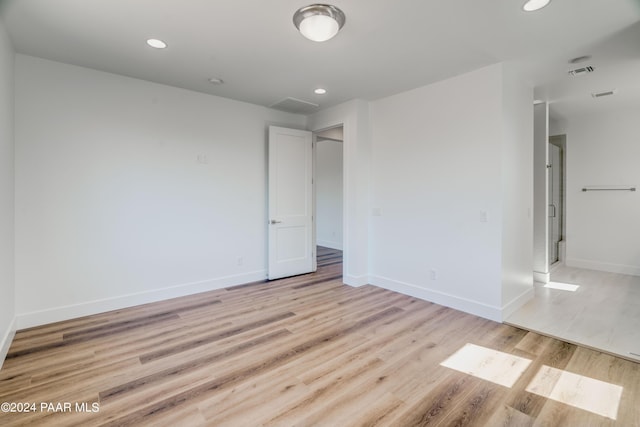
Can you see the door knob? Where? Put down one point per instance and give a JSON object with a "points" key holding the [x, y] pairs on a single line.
{"points": [[273, 221]]}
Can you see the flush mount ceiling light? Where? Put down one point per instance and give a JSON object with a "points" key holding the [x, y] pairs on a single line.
{"points": [[533, 5], [320, 91], [319, 22], [156, 43], [215, 81]]}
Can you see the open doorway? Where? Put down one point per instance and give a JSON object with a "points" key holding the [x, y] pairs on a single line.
{"points": [[329, 184]]}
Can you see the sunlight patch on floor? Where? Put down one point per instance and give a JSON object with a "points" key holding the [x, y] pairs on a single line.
{"points": [[582, 392], [562, 286], [491, 365]]}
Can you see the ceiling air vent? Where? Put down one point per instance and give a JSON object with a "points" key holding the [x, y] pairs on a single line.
{"points": [[581, 71], [605, 93]]}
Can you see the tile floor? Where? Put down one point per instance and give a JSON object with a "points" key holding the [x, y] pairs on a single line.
{"points": [[603, 313]]}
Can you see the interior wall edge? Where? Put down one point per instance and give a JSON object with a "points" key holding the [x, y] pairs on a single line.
{"points": [[355, 281], [7, 340], [516, 303], [58, 314], [452, 301]]}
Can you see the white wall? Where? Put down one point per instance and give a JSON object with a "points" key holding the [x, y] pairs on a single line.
{"points": [[329, 184], [602, 227], [517, 192], [7, 289], [129, 191], [557, 126], [354, 116], [438, 198]]}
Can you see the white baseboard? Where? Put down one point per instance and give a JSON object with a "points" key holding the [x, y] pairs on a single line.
{"points": [[511, 307], [541, 277], [6, 341], [329, 244], [57, 314], [355, 281], [452, 301], [631, 270]]}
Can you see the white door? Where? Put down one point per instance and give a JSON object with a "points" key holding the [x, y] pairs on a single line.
{"points": [[291, 246]]}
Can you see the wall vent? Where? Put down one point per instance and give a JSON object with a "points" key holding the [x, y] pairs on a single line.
{"points": [[605, 93], [581, 71]]}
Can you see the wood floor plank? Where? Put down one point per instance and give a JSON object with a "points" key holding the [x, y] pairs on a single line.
{"points": [[305, 351], [556, 354], [263, 396], [506, 416]]}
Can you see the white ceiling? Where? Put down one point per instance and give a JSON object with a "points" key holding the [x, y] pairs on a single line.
{"points": [[385, 47]]}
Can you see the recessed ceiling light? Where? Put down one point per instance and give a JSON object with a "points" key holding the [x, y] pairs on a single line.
{"points": [[216, 81], [533, 5], [156, 43], [320, 91]]}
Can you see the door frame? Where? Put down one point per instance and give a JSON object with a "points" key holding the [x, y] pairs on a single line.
{"points": [[560, 141], [357, 155], [315, 133], [315, 210]]}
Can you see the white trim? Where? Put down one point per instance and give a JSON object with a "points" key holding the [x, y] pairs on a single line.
{"points": [[56, 314], [354, 117], [355, 281], [603, 266], [331, 245], [334, 121], [541, 277], [463, 304], [6, 341], [516, 303]]}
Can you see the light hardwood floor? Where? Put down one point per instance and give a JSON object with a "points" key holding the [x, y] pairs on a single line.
{"points": [[603, 313], [310, 351]]}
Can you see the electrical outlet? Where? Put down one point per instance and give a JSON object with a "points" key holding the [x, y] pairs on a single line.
{"points": [[240, 261], [433, 275]]}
